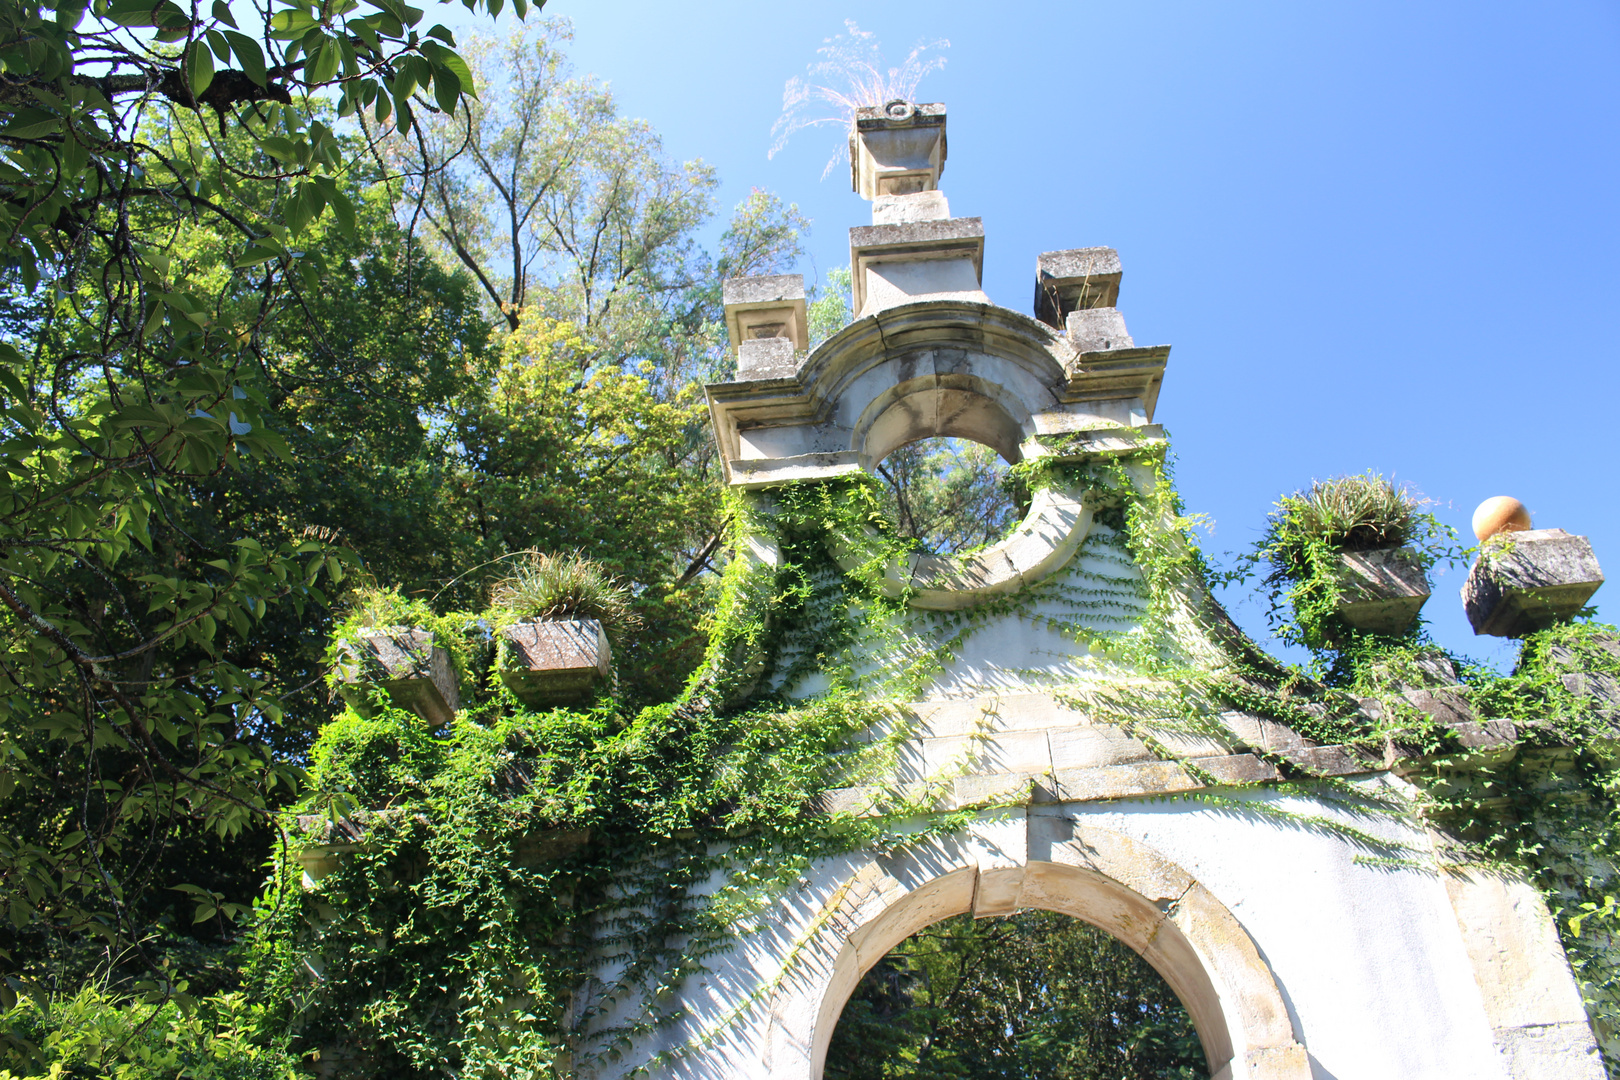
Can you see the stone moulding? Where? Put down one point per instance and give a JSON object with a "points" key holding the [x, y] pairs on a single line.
{"points": [[1382, 590], [1050, 533], [407, 663], [1526, 581], [554, 661], [806, 423]]}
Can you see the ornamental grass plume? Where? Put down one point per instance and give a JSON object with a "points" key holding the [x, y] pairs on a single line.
{"points": [[851, 74], [564, 586]]}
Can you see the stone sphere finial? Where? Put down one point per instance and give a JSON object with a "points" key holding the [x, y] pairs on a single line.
{"points": [[1500, 514]]}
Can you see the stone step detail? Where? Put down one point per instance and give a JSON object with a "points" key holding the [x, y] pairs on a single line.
{"points": [[407, 663]]}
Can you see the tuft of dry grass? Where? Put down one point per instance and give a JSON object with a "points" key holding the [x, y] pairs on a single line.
{"points": [[1346, 513], [565, 586]]}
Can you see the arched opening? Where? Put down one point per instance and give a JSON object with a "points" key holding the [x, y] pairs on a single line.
{"points": [[1101, 877], [951, 494], [1032, 994]]}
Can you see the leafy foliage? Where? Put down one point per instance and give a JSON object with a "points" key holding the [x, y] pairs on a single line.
{"points": [[1308, 530], [159, 251], [94, 1033]]}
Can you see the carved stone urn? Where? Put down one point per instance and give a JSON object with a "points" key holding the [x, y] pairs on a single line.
{"points": [[1381, 590]]}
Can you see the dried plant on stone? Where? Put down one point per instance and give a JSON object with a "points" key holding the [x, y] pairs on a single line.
{"points": [[1347, 513], [565, 586], [850, 74]]}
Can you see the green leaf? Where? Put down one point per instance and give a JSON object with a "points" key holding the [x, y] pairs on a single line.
{"points": [[446, 88], [292, 23], [199, 69], [222, 12], [32, 124], [343, 210], [249, 55], [281, 149], [463, 73], [219, 46], [323, 61]]}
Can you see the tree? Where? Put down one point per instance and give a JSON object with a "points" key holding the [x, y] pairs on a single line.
{"points": [[593, 435], [1033, 994], [158, 222]]}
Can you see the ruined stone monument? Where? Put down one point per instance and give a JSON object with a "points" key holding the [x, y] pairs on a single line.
{"points": [[1296, 954], [1057, 705]]}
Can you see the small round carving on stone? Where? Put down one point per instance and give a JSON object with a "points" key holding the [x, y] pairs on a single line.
{"points": [[899, 111], [1500, 514]]}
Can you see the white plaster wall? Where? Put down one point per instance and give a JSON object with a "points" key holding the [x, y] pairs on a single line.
{"points": [[1369, 958]]}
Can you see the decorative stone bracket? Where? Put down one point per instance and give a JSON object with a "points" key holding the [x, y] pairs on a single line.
{"points": [[405, 662]]}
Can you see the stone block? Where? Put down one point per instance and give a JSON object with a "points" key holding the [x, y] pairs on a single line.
{"points": [[1442, 706], [1122, 781], [1075, 280], [1238, 769], [766, 358], [1601, 690], [897, 148], [765, 307], [554, 661], [416, 672], [1095, 746], [1382, 590], [1331, 761], [1098, 329], [904, 209], [1525, 581]]}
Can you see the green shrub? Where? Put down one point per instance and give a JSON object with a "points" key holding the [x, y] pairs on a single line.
{"points": [[94, 1033], [373, 759], [1347, 513]]}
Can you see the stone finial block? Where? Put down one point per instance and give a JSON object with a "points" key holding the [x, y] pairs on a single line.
{"points": [[1097, 330], [405, 662], [554, 661], [1525, 581], [1074, 280], [917, 260], [1381, 591], [897, 149], [765, 307]]}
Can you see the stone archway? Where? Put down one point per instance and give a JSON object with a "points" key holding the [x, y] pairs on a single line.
{"points": [[1100, 877]]}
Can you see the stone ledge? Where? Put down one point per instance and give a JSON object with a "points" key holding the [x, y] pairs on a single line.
{"points": [[1056, 524]]}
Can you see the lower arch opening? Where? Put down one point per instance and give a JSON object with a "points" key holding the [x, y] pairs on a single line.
{"points": [[1035, 995]]}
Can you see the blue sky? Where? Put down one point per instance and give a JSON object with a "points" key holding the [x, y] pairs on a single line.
{"points": [[1378, 235]]}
